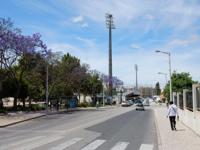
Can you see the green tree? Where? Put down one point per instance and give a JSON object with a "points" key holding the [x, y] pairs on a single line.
{"points": [[157, 89], [95, 84], [35, 75], [180, 81]]}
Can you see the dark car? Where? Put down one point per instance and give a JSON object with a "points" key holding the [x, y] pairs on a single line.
{"points": [[139, 106]]}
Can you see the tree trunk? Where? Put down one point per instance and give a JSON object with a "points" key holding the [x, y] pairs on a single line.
{"points": [[84, 98], [15, 103], [18, 85], [1, 103], [24, 105], [79, 98], [29, 103]]}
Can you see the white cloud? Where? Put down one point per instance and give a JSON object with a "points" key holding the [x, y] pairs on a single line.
{"points": [[135, 46], [184, 42], [179, 14], [79, 20], [177, 20]]}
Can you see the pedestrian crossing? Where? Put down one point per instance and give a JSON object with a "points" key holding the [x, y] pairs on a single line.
{"points": [[60, 143]]}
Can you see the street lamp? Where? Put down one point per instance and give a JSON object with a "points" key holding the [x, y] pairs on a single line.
{"points": [[170, 75], [164, 75]]}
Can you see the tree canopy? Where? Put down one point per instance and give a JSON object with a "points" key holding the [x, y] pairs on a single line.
{"points": [[157, 89], [23, 69], [180, 81]]}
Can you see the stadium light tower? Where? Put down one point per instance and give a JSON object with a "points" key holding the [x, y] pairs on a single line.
{"points": [[110, 26]]}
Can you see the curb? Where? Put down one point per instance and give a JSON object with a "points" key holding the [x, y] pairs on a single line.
{"points": [[48, 113], [13, 123], [28, 119], [160, 147]]}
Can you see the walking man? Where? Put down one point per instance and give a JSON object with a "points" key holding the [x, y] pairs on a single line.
{"points": [[172, 113]]}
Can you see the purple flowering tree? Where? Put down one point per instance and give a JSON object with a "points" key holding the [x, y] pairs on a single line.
{"points": [[116, 82], [14, 46]]}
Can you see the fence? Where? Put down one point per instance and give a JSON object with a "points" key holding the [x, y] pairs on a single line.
{"points": [[190, 114], [63, 102], [189, 101], [175, 99], [181, 101]]}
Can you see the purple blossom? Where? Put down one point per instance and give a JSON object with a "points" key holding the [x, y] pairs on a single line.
{"points": [[13, 44], [115, 81]]}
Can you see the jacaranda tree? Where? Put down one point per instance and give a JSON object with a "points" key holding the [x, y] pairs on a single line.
{"points": [[13, 46]]}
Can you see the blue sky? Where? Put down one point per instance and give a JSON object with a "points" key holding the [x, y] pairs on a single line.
{"points": [[142, 26]]}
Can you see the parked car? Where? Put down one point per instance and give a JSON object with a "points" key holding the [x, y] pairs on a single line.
{"points": [[125, 103], [139, 106], [139, 100], [130, 102], [146, 102]]}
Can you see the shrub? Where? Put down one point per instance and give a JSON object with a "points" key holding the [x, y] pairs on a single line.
{"points": [[37, 107], [84, 104], [3, 110]]}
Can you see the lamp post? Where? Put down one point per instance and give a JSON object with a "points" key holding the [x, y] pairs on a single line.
{"points": [[170, 75]]}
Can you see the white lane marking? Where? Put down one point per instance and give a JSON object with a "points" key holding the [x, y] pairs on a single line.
{"points": [[146, 147], [12, 144], [120, 146], [38, 143], [66, 144], [94, 145]]}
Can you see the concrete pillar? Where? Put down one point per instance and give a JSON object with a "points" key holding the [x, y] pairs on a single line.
{"points": [[184, 98], [173, 96], [178, 104], [194, 98]]}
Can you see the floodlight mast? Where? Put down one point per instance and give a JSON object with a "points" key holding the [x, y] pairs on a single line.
{"points": [[110, 26]]}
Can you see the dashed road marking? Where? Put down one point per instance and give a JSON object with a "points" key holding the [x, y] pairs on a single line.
{"points": [[120, 146], [66, 144], [94, 145], [146, 147], [38, 143], [13, 144]]}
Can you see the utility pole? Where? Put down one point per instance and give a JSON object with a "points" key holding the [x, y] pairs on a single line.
{"points": [[136, 80], [1, 56], [47, 84], [110, 26]]}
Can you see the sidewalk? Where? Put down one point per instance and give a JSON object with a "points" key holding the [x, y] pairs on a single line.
{"points": [[14, 118], [182, 139]]}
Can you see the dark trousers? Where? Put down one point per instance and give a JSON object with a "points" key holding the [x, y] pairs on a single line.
{"points": [[172, 122]]}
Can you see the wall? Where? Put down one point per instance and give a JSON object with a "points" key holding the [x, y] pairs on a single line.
{"points": [[191, 118]]}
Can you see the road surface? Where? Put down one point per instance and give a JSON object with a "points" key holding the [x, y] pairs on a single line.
{"points": [[117, 128]]}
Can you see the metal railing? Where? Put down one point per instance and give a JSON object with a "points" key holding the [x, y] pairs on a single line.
{"points": [[175, 100], [181, 101], [189, 101]]}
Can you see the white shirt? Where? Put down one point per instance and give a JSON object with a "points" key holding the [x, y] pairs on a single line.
{"points": [[172, 111]]}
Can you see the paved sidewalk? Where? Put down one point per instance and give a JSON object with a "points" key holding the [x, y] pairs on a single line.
{"points": [[182, 139], [13, 118]]}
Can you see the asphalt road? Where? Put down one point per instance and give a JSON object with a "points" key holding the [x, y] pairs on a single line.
{"points": [[103, 129]]}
